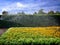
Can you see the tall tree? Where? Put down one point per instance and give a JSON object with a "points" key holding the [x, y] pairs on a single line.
{"points": [[57, 12], [4, 13], [41, 11], [35, 13], [51, 12], [21, 13]]}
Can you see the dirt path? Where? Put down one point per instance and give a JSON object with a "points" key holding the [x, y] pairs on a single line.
{"points": [[2, 31]]}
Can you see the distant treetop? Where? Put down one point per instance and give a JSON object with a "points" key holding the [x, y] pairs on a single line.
{"points": [[4, 13]]}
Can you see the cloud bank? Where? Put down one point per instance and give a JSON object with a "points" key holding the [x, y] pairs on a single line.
{"points": [[30, 6]]}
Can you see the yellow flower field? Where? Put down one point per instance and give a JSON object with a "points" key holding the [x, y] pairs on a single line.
{"points": [[31, 36], [34, 31]]}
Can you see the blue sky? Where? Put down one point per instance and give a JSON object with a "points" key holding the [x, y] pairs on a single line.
{"points": [[29, 6]]}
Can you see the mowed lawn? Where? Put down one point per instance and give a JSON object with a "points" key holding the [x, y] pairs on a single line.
{"points": [[31, 36]]}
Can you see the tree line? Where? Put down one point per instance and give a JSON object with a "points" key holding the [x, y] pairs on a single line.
{"points": [[51, 12], [41, 11]]}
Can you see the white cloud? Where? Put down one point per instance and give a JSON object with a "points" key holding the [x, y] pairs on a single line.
{"points": [[20, 5], [30, 7], [4, 9]]}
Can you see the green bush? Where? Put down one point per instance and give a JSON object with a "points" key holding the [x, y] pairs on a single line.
{"points": [[30, 41], [34, 20], [8, 24]]}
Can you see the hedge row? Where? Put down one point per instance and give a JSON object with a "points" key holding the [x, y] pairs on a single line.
{"points": [[7, 24]]}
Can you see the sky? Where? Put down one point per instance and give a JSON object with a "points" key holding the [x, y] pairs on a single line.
{"points": [[29, 6]]}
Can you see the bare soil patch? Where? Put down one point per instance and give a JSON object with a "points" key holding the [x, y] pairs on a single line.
{"points": [[2, 31]]}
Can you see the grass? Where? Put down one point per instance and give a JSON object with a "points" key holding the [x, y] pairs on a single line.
{"points": [[31, 36]]}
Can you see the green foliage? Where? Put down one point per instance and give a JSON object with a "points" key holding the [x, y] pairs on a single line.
{"points": [[7, 24], [31, 41], [33, 20], [5, 13], [35, 13], [19, 39], [41, 11], [51, 12], [57, 12], [21, 13]]}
